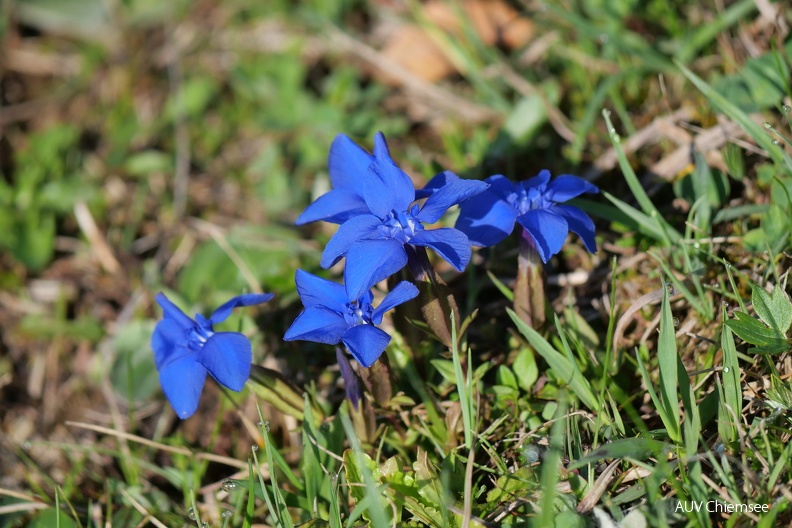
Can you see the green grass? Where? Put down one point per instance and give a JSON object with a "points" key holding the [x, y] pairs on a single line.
{"points": [[193, 134]]}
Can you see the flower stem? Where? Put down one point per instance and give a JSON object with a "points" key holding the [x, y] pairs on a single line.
{"points": [[529, 294], [436, 301], [378, 379]]}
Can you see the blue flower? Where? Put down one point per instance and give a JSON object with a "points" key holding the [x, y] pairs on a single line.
{"points": [[330, 317], [535, 204], [373, 241], [185, 350], [347, 165]]}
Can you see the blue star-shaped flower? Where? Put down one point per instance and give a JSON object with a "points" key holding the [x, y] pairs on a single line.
{"points": [[185, 350], [331, 318], [535, 204], [347, 165], [373, 240]]}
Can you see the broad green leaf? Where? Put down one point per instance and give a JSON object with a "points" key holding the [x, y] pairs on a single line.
{"points": [[50, 518], [506, 377], [133, 374], [775, 310], [526, 370], [753, 331]]}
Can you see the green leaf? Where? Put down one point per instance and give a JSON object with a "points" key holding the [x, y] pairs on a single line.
{"points": [[506, 377], [526, 370], [758, 84], [634, 448], [775, 310], [567, 371], [775, 226], [133, 374], [50, 518], [753, 331], [668, 363]]}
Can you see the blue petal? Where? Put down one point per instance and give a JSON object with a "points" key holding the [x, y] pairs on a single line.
{"points": [[168, 340], [347, 163], [501, 186], [579, 223], [451, 244], [317, 324], [387, 189], [366, 343], [547, 230], [566, 187], [315, 291], [227, 357], [454, 192], [369, 262], [487, 219], [358, 228], [403, 292], [540, 180], [182, 380], [247, 299], [381, 150], [173, 313], [336, 206], [437, 181]]}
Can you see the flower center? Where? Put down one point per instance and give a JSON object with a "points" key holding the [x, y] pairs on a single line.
{"points": [[401, 226], [200, 333], [358, 312], [528, 199]]}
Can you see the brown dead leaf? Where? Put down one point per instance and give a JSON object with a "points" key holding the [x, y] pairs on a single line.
{"points": [[495, 23]]}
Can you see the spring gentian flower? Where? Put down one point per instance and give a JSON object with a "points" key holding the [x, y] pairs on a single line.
{"points": [[535, 204], [330, 317], [347, 164], [185, 350], [373, 242]]}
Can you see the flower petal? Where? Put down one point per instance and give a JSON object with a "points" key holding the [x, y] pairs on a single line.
{"points": [[336, 206], [565, 187], [227, 357], [387, 189], [488, 218], [347, 163], [451, 244], [168, 340], [317, 324], [366, 343], [454, 192], [547, 230], [381, 150], [358, 228], [369, 262], [579, 223], [182, 381], [246, 299], [173, 312], [540, 180], [316, 291], [501, 186], [403, 292], [437, 181]]}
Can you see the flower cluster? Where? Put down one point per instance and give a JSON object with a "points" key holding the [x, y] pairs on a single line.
{"points": [[383, 227]]}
